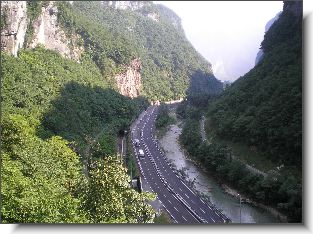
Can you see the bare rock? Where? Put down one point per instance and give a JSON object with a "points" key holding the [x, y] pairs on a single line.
{"points": [[48, 33], [129, 83], [13, 33]]}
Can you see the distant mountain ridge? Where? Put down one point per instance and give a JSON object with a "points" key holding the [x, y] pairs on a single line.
{"points": [[260, 53]]}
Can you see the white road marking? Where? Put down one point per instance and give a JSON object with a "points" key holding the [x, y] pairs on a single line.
{"points": [[186, 195], [184, 218], [175, 208], [169, 201], [202, 210]]}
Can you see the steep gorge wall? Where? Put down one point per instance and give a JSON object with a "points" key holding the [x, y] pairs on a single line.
{"points": [[46, 30], [129, 82], [13, 32], [48, 33]]}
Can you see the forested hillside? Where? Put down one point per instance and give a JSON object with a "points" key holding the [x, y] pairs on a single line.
{"points": [[261, 111], [51, 110], [114, 37], [264, 107], [54, 109]]}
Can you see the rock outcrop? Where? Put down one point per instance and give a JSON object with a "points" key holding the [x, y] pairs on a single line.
{"points": [[48, 33], [46, 30], [129, 83], [14, 30]]}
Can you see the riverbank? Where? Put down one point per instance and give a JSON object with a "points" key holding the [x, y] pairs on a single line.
{"points": [[244, 199], [220, 194], [233, 192]]}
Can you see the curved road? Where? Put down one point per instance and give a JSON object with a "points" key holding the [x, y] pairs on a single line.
{"points": [[183, 205]]}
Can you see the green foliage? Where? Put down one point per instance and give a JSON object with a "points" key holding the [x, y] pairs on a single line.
{"points": [[70, 99], [110, 199], [163, 118], [83, 110], [47, 99], [39, 178], [114, 37], [33, 11], [275, 189], [106, 146], [202, 89], [164, 218], [3, 18], [110, 52], [264, 107]]}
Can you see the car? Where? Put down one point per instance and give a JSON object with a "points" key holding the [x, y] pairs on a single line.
{"points": [[141, 153], [137, 143]]}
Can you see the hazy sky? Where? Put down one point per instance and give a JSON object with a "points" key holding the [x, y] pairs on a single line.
{"points": [[227, 33]]}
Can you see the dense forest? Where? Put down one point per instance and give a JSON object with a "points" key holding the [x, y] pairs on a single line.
{"points": [[60, 118], [262, 110], [264, 107], [52, 108], [114, 37]]}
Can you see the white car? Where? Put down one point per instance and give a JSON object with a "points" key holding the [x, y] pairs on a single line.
{"points": [[141, 153]]}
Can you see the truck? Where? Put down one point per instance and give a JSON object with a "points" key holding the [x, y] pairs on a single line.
{"points": [[141, 153]]}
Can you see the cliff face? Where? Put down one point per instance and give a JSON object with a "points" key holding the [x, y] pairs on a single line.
{"points": [[45, 30], [14, 30], [129, 83], [48, 33]]}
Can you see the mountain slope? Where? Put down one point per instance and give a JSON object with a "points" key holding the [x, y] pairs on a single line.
{"points": [[168, 59], [264, 107], [259, 115], [62, 88]]}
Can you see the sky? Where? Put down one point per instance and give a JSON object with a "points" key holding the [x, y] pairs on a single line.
{"points": [[227, 33]]}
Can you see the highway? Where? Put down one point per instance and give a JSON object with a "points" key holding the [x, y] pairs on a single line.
{"points": [[182, 204]]}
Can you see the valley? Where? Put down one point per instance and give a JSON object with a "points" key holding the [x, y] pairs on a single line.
{"points": [[90, 134]]}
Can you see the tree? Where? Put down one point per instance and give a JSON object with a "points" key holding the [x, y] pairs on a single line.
{"points": [[110, 199]]}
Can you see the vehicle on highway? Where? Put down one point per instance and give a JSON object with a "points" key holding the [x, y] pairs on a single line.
{"points": [[141, 153], [137, 142]]}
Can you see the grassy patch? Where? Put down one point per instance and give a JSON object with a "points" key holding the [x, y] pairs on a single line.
{"points": [[164, 218]]}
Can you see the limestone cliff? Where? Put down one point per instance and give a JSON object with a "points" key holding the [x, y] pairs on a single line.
{"points": [[13, 13], [129, 82], [45, 27], [48, 33]]}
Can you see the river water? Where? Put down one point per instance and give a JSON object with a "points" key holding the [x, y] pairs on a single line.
{"points": [[206, 184]]}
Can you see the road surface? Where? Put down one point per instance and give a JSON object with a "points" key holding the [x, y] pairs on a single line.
{"points": [[182, 204]]}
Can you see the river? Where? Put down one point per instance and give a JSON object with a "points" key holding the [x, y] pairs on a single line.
{"points": [[206, 184]]}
